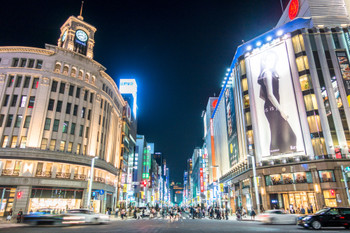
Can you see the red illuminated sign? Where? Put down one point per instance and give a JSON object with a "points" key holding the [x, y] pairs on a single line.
{"points": [[293, 9], [215, 102], [201, 179]]}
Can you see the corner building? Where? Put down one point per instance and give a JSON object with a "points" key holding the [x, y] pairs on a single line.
{"points": [[59, 109], [286, 98]]}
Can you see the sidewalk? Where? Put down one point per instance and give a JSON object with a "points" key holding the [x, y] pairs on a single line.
{"points": [[11, 224]]}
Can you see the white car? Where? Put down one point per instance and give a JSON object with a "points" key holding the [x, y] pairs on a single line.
{"points": [[146, 211], [80, 216], [277, 217]]}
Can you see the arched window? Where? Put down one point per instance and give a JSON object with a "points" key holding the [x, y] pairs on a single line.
{"points": [[80, 74], [65, 69], [87, 77], [58, 68], [93, 79], [73, 73]]}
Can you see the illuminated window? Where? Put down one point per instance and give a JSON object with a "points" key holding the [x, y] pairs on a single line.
{"points": [[242, 66], [58, 68], [314, 123], [23, 101], [65, 70], [84, 150], [52, 144], [248, 120], [244, 84], [319, 146], [31, 102], [73, 72], [78, 148], [14, 141], [305, 82], [302, 63], [35, 83], [5, 140], [330, 199], [246, 103], [326, 176], [65, 127], [298, 43], [310, 102], [70, 145], [62, 145], [250, 137], [23, 142], [43, 145]]}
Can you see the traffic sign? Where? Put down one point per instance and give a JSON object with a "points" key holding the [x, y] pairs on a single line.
{"points": [[101, 192]]}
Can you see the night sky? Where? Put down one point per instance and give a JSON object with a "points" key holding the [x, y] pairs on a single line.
{"points": [[178, 51]]}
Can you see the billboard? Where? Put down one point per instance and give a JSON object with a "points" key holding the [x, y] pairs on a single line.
{"points": [[129, 86], [231, 127], [201, 179], [277, 122]]}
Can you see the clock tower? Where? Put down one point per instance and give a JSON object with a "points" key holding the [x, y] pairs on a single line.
{"points": [[78, 36]]}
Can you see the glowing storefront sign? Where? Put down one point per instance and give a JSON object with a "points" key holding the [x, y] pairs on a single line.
{"points": [[201, 179]]}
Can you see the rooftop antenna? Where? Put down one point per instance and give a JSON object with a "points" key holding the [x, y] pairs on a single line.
{"points": [[281, 5], [81, 11]]}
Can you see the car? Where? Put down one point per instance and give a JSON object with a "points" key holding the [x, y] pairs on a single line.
{"points": [[43, 217], [328, 217], [80, 216], [146, 211], [277, 217]]}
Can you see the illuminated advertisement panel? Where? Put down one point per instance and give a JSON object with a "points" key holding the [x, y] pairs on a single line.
{"points": [[278, 122], [231, 127], [201, 179], [345, 71]]}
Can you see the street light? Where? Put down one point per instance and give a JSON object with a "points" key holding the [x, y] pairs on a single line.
{"points": [[91, 179], [255, 183]]}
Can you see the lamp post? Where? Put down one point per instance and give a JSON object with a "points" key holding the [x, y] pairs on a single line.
{"points": [[91, 179], [255, 184]]}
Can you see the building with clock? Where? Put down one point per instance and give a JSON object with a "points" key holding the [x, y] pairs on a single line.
{"points": [[58, 110], [285, 103]]}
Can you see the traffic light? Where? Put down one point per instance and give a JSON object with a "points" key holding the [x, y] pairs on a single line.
{"points": [[332, 192], [19, 194], [144, 183]]}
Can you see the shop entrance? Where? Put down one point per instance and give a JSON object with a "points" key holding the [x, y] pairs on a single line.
{"points": [[7, 196], [294, 201]]}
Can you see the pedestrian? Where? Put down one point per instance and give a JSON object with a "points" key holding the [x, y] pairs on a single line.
{"points": [[135, 213], [244, 212], [9, 216], [311, 209], [116, 212], [252, 213], [19, 216], [122, 213], [302, 211], [226, 213]]}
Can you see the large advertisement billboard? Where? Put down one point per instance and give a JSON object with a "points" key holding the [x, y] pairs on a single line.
{"points": [[277, 115], [231, 127], [345, 71]]}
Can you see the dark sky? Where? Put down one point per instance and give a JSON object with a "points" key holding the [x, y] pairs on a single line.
{"points": [[178, 52]]}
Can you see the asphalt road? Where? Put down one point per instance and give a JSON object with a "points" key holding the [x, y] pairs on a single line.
{"points": [[163, 225]]}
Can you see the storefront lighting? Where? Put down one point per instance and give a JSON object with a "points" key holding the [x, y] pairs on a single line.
{"points": [[249, 47], [269, 38], [279, 32], [228, 69], [258, 43]]}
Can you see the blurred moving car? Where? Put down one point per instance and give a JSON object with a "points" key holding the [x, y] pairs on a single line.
{"points": [[277, 217], [80, 216], [146, 211], [43, 217], [328, 217]]}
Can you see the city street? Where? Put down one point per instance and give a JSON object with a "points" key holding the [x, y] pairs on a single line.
{"points": [[163, 225]]}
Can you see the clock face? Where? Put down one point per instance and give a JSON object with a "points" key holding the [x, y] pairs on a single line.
{"points": [[81, 35], [64, 36]]}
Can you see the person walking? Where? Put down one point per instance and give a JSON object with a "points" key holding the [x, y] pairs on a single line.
{"points": [[226, 213], [19, 216], [252, 214], [116, 212]]}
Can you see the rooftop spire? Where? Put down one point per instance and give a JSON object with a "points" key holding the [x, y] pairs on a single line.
{"points": [[81, 11]]}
